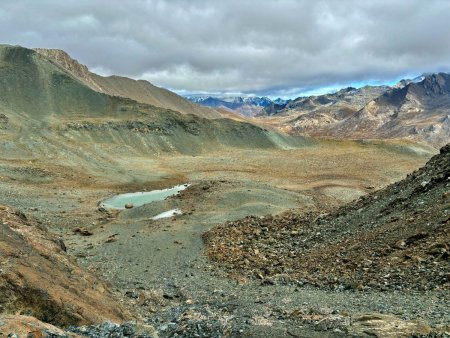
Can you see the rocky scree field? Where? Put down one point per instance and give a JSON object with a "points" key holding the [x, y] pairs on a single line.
{"points": [[397, 238]]}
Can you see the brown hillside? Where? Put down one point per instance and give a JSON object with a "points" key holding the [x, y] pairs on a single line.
{"points": [[38, 278], [141, 91]]}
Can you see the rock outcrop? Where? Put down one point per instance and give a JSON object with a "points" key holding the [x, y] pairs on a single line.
{"points": [[38, 278]]}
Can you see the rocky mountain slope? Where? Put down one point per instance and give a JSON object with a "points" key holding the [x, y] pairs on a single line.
{"points": [[343, 101], [46, 111], [141, 90], [404, 82], [314, 114], [40, 279], [416, 109], [394, 239]]}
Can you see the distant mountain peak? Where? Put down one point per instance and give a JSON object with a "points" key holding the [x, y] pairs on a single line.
{"points": [[243, 105]]}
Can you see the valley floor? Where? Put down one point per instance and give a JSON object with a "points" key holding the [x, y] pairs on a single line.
{"points": [[158, 269]]}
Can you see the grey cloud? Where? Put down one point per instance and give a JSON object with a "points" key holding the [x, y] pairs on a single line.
{"points": [[264, 46]]}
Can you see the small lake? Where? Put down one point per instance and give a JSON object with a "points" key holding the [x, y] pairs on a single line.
{"points": [[140, 198]]}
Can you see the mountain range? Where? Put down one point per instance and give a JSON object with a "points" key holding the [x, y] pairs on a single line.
{"points": [[248, 106], [415, 109], [47, 85], [344, 98], [251, 106]]}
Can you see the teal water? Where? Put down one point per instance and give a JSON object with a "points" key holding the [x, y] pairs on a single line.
{"points": [[141, 198]]}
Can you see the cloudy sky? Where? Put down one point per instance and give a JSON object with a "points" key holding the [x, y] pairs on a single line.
{"points": [[265, 47]]}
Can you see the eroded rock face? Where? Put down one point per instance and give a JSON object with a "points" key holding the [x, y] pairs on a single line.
{"points": [[39, 279]]}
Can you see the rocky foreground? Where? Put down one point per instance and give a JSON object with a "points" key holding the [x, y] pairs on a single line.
{"points": [[39, 279], [299, 275], [394, 239]]}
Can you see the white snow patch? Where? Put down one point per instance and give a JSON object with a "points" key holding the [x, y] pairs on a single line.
{"points": [[169, 213]]}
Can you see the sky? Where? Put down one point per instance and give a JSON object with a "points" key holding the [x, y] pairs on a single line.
{"points": [[277, 48]]}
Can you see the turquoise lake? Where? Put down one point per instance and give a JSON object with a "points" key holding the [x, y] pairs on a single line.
{"points": [[141, 198]]}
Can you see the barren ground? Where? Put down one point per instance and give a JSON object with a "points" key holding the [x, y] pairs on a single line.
{"points": [[158, 268]]}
